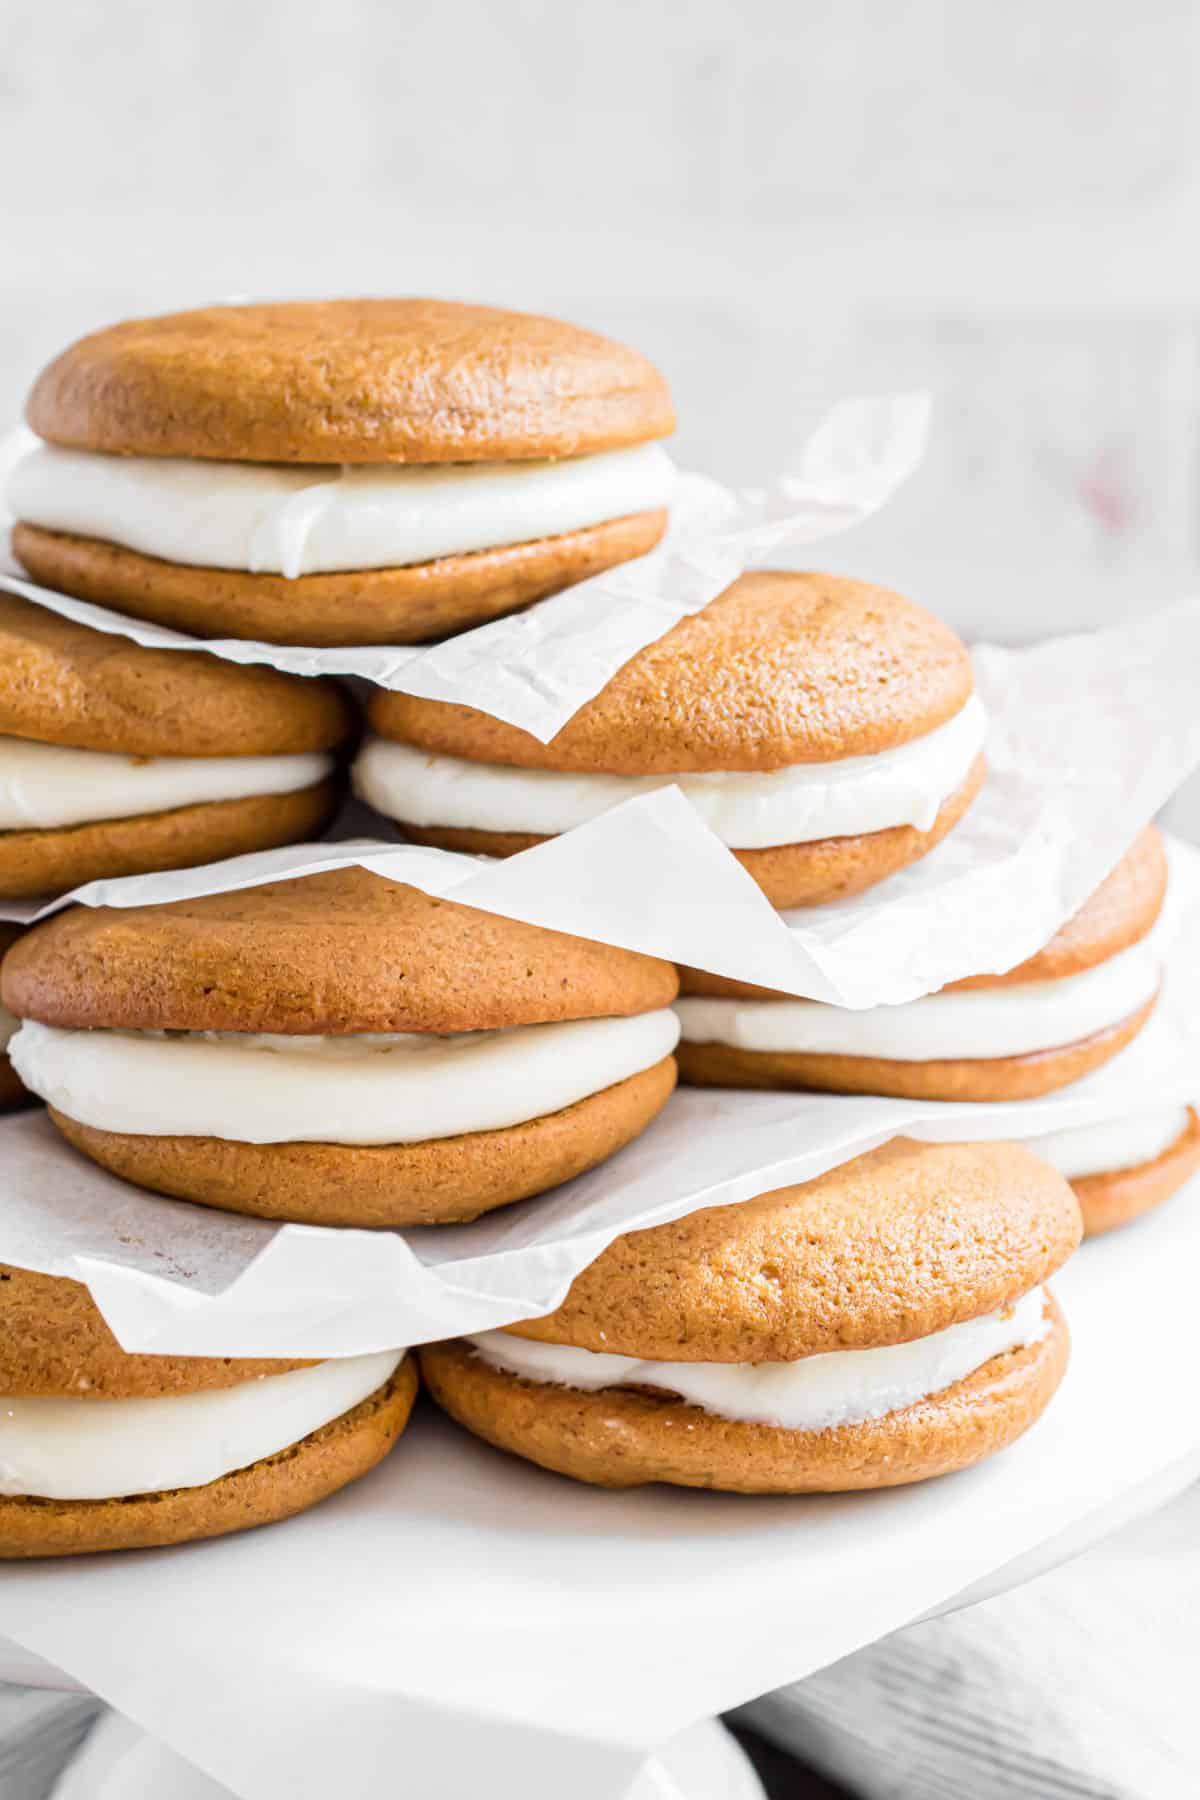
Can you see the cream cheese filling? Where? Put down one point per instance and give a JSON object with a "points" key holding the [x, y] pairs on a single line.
{"points": [[44, 787], [368, 1089], [69, 1449], [268, 518], [1111, 1145], [841, 1387], [747, 809], [975, 1024]]}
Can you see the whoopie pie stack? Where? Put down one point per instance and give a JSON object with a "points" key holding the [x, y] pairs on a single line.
{"points": [[346, 1051]]}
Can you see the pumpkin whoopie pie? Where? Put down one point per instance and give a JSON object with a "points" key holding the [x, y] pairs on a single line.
{"points": [[12, 1089], [1122, 1167], [338, 1049], [115, 760], [879, 1325], [1049, 1021], [108, 1451], [339, 472], [826, 730]]}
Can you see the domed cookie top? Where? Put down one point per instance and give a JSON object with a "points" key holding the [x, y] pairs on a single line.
{"points": [[339, 952], [54, 1342], [890, 1247], [781, 668], [350, 381], [63, 683]]}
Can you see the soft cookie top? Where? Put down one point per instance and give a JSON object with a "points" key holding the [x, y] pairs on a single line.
{"points": [[892, 1246], [781, 668], [54, 1342], [350, 381], [330, 954], [1121, 912], [63, 683]]}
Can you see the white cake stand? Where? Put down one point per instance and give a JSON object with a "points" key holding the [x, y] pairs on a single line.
{"points": [[119, 1762]]}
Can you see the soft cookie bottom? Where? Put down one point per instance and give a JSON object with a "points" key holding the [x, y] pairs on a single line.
{"points": [[1121, 1195], [33, 863], [975, 1079], [622, 1437], [438, 1181], [289, 1482], [361, 606], [788, 874]]}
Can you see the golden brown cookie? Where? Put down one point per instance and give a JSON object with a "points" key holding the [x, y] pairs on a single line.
{"points": [[35, 863], [781, 668], [980, 1078], [1116, 1198], [277, 1487], [891, 1246], [620, 1438], [442, 1181], [342, 951], [1121, 912], [350, 381], [63, 683], [789, 874], [362, 606], [54, 1341]]}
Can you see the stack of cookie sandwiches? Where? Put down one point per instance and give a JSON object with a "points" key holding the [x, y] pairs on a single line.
{"points": [[115, 760], [338, 1049], [339, 472], [885, 1323], [109, 1451], [827, 731]]}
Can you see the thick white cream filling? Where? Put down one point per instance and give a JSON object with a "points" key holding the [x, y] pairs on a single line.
{"points": [[319, 519], [842, 1387], [67, 1449], [47, 786], [1111, 1145], [369, 1089], [748, 810], [978, 1023]]}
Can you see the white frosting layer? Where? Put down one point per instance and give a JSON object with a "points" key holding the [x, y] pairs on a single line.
{"points": [[8, 1026], [840, 1388], [65, 1449], [747, 810], [44, 786], [318, 519], [1112, 1144], [353, 1090], [976, 1024]]}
